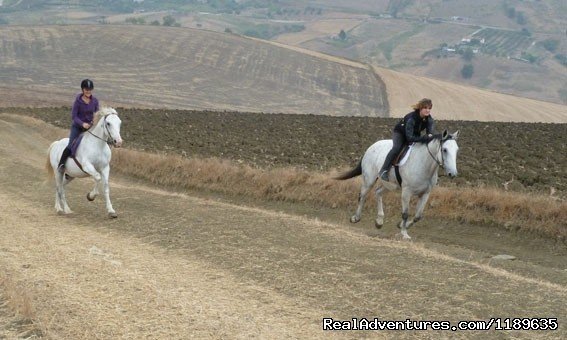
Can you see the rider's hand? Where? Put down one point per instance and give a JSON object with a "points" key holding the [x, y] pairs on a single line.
{"points": [[86, 126]]}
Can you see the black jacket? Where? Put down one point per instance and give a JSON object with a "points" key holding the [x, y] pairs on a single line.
{"points": [[412, 125]]}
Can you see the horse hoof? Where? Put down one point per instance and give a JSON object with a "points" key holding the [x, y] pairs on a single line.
{"points": [[354, 219], [378, 225], [112, 215], [89, 197]]}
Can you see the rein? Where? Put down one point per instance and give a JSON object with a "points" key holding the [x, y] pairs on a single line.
{"points": [[109, 140], [441, 164]]}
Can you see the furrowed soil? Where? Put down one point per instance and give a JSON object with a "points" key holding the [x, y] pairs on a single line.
{"points": [[524, 157], [197, 264]]}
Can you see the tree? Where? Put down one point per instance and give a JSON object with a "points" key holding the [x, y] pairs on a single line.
{"points": [[468, 54], [521, 18], [168, 20], [467, 71], [550, 44], [342, 35]]}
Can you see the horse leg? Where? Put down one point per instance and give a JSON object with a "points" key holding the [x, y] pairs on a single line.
{"points": [[379, 222], [93, 193], [361, 199], [106, 189], [65, 181], [58, 189], [61, 181], [404, 225], [420, 207]]}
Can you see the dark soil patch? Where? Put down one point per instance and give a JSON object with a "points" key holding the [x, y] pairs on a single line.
{"points": [[527, 156]]}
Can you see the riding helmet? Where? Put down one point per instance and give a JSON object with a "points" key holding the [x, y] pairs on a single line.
{"points": [[87, 84]]}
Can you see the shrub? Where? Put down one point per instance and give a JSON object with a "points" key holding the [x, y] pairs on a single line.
{"points": [[467, 71], [550, 44]]}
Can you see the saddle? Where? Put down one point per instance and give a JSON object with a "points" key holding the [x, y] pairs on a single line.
{"points": [[400, 160]]}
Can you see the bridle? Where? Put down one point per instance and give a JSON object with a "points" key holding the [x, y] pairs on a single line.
{"points": [[109, 140], [442, 163]]}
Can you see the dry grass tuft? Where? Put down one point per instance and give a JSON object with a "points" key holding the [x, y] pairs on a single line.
{"points": [[540, 214], [17, 300], [536, 213]]}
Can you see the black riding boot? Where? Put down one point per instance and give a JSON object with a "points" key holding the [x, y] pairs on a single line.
{"points": [[387, 165], [64, 156]]}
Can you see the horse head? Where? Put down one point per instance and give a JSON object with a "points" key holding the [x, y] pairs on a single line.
{"points": [[449, 150], [110, 121]]}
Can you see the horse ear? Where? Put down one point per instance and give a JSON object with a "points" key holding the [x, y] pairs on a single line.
{"points": [[455, 135], [444, 135]]}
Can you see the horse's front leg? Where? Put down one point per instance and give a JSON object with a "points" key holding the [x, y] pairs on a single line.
{"points": [[404, 225], [90, 169], [420, 206], [91, 195], [379, 222], [106, 190]]}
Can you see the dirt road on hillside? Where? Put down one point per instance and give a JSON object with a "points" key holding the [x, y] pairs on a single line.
{"points": [[177, 265]]}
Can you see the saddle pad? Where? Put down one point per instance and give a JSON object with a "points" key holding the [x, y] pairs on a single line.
{"points": [[406, 156]]}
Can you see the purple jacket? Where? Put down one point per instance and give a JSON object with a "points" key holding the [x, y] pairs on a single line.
{"points": [[83, 112]]}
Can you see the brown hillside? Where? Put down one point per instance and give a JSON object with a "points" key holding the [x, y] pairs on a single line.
{"points": [[458, 102], [160, 67], [149, 66], [454, 101]]}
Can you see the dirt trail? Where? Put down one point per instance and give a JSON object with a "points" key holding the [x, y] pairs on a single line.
{"points": [[178, 266]]}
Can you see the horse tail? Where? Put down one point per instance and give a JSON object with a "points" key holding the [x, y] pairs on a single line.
{"points": [[357, 171], [48, 167]]}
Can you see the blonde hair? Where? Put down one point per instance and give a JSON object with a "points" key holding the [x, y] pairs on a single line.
{"points": [[425, 102]]}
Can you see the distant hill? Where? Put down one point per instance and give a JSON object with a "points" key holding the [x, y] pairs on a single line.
{"points": [[516, 47], [167, 67], [145, 66]]}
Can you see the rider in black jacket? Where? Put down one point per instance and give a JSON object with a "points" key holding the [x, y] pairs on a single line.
{"points": [[408, 130]]}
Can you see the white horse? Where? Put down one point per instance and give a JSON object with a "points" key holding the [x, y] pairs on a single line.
{"points": [[418, 174], [93, 158]]}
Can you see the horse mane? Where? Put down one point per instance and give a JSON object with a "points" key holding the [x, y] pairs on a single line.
{"points": [[105, 111]]}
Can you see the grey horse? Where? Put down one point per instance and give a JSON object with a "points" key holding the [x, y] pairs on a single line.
{"points": [[418, 173]]}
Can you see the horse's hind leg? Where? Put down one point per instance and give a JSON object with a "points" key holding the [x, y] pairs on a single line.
{"points": [[58, 188], [379, 222], [60, 200], [404, 225], [66, 208], [361, 199]]}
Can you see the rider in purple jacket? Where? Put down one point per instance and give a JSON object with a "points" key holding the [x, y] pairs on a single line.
{"points": [[84, 107]]}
